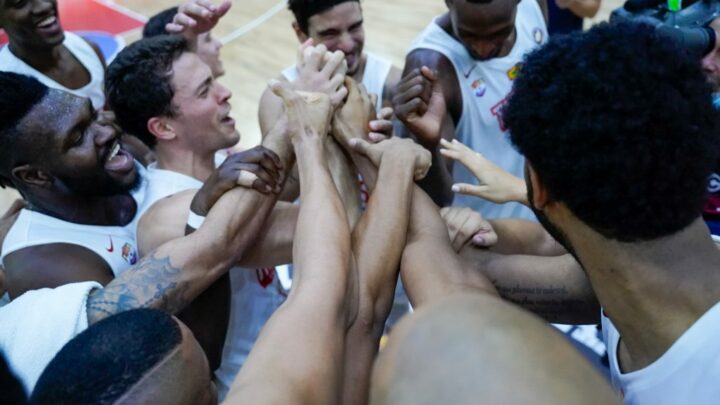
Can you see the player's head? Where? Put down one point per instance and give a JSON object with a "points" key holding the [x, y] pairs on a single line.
{"points": [[141, 356], [207, 47], [31, 24], [618, 129], [338, 24], [162, 92], [485, 27], [52, 142]]}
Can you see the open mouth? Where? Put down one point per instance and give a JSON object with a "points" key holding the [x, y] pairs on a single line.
{"points": [[118, 160], [49, 25]]}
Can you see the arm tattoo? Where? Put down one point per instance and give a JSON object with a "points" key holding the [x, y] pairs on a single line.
{"points": [[152, 283]]}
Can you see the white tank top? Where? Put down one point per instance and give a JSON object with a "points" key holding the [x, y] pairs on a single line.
{"points": [[485, 86], [83, 52], [688, 373], [116, 245], [374, 77], [256, 293]]}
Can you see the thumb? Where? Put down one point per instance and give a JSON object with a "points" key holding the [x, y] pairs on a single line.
{"points": [[282, 90], [246, 178], [484, 239], [469, 189], [360, 146]]}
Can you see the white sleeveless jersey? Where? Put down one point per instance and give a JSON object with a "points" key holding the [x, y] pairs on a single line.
{"points": [[374, 77], [485, 86], [83, 52], [116, 245], [256, 293], [688, 373]]}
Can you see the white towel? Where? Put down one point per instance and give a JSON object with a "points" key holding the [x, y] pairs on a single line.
{"points": [[36, 325]]}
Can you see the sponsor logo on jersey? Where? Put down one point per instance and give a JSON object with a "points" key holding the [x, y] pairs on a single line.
{"points": [[479, 87], [129, 253], [514, 71], [265, 276], [538, 35], [111, 248]]}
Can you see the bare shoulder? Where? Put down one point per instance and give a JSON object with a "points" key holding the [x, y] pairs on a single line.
{"points": [[164, 221], [53, 265]]}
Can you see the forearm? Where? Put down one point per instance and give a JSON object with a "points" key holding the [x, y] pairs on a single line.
{"points": [[439, 180], [555, 288], [521, 237], [274, 244], [345, 178], [430, 268]]}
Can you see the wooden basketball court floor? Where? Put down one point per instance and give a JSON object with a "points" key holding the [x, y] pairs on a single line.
{"points": [[259, 43]]}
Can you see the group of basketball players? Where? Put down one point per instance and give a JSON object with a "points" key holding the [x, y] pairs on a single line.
{"points": [[139, 266]]}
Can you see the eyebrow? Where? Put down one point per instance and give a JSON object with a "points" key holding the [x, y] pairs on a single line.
{"points": [[205, 84], [84, 119], [333, 29]]}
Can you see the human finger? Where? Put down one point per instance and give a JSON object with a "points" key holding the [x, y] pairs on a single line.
{"points": [[471, 189], [333, 63]]}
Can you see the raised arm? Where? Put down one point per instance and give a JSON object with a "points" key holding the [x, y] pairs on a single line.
{"points": [[428, 104], [302, 343]]}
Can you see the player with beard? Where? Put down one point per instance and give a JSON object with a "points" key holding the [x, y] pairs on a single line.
{"points": [[40, 48], [457, 77]]}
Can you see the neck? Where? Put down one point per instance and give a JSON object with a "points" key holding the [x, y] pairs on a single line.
{"points": [[115, 210], [652, 291], [184, 161], [40, 58]]}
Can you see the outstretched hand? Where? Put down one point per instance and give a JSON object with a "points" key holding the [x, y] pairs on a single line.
{"points": [[352, 119], [197, 17], [320, 71], [496, 185], [308, 114], [420, 104], [396, 149], [258, 168]]}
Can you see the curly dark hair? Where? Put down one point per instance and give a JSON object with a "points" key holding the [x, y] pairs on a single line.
{"points": [[156, 24], [304, 9], [618, 124], [138, 83], [103, 362]]}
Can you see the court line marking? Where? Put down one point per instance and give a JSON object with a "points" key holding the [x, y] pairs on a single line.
{"points": [[254, 23], [122, 9]]}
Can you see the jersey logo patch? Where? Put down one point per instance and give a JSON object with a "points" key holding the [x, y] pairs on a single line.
{"points": [[538, 35], [514, 71], [129, 253], [479, 87], [111, 248], [265, 276]]}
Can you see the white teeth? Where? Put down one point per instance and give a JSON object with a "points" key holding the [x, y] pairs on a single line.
{"points": [[114, 151], [47, 22]]}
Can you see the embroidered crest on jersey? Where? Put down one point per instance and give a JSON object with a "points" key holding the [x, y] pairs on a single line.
{"points": [[479, 87], [538, 35], [129, 253], [514, 71]]}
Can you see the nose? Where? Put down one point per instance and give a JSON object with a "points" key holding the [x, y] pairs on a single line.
{"points": [[218, 44], [346, 43], [224, 94], [104, 133], [710, 62]]}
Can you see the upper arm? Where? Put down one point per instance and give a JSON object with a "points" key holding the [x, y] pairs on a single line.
{"points": [[270, 110], [164, 221], [53, 265], [518, 236]]}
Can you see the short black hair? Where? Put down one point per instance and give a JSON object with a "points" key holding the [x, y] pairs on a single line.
{"points": [[304, 9], [156, 24], [103, 362], [138, 83], [11, 391], [619, 125], [18, 95]]}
